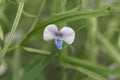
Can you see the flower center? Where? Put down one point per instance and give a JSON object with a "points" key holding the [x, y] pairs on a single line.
{"points": [[58, 35]]}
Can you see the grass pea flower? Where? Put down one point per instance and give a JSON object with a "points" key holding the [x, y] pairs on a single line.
{"points": [[66, 34]]}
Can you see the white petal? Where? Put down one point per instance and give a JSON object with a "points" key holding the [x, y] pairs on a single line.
{"points": [[49, 32], [68, 34]]}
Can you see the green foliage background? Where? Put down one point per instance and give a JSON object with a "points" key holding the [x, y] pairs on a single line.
{"points": [[94, 55]]}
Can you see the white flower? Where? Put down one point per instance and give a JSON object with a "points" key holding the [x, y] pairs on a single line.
{"points": [[66, 34]]}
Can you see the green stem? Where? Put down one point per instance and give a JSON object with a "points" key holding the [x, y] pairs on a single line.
{"points": [[119, 42], [64, 75], [38, 16], [14, 26], [1, 33], [16, 65], [92, 43]]}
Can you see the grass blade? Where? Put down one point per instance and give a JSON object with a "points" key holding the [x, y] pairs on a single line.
{"points": [[90, 73], [67, 17], [86, 64], [33, 73], [33, 50], [1, 33], [113, 51], [14, 26]]}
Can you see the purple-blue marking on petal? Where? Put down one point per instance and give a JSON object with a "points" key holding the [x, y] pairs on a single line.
{"points": [[58, 35], [58, 43]]}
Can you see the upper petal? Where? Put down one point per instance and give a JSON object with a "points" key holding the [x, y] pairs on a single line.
{"points": [[68, 34], [49, 32]]}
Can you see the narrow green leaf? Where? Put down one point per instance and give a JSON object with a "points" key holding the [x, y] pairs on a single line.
{"points": [[119, 41], [95, 67], [42, 4], [67, 17], [33, 50], [14, 26], [0, 54], [72, 10], [28, 14], [1, 33], [90, 73], [115, 54], [33, 73]]}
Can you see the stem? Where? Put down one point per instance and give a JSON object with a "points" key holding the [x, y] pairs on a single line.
{"points": [[14, 26], [1, 33], [16, 65], [38, 15], [63, 9], [119, 42], [93, 30], [64, 75]]}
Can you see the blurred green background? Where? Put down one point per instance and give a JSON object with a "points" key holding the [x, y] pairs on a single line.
{"points": [[94, 55]]}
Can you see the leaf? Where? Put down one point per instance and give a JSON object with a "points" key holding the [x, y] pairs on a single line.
{"points": [[1, 33], [112, 50], [67, 17], [88, 72], [13, 29], [0, 54], [92, 66], [33, 50], [33, 73]]}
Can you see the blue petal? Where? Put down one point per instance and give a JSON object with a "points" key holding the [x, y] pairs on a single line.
{"points": [[58, 43]]}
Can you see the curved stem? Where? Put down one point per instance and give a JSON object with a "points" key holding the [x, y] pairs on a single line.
{"points": [[14, 26]]}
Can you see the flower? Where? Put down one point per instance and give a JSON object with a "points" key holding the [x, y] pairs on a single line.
{"points": [[66, 34]]}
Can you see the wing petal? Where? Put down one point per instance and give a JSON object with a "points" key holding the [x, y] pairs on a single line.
{"points": [[49, 32], [58, 43], [68, 34]]}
